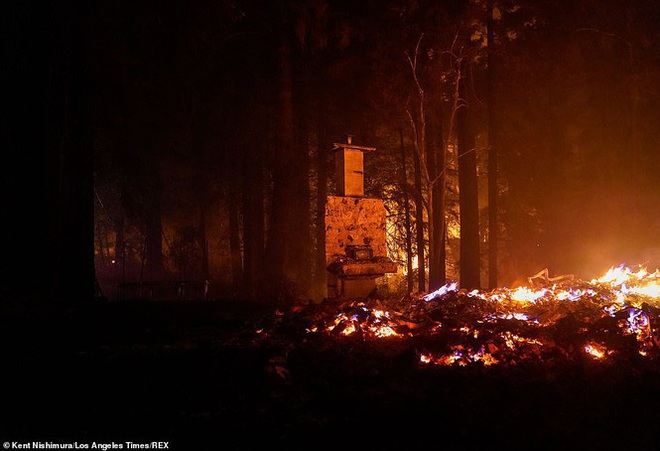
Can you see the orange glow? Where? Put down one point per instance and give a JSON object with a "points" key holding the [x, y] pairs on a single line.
{"points": [[510, 323], [594, 350]]}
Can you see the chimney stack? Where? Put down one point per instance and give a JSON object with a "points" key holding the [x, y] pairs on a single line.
{"points": [[350, 167]]}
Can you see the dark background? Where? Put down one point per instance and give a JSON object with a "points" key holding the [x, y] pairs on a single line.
{"points": [[152, 117], [149, 111]]}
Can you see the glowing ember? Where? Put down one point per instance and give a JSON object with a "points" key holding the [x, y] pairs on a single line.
{"points": [[651, 289], [524, 294], [385, 331], [515, 325], [637, 322], [440, 292], [594, 350]]}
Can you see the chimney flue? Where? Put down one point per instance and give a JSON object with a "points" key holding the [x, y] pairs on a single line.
{"points": [[350, 167]]}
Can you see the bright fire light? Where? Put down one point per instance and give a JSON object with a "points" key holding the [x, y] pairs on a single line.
{"points": [[594, 351], [509, 324]]}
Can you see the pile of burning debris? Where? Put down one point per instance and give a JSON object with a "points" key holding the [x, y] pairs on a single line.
{"points": [[614, 317]]}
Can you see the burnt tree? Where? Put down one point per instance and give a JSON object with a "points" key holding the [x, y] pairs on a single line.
{"points": [[493, 226], [47, 188], [468, 192], [288, 236], [436, 167], [406, 209]]}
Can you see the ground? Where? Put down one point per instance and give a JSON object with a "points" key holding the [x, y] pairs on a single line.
{"points": [[201, 376]]}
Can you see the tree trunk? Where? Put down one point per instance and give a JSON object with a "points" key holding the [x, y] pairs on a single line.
{"points": [[235, 255], [153, 269], [320, 272], [203, 202], [289, 242], [419, 222], [202, 189], [203, 243], [300, 259], [634, 147], [72, 249], [406, 218], [436, 212], [468, 195], [253, 221], [280, 214], [493, 227], [120, 247]]}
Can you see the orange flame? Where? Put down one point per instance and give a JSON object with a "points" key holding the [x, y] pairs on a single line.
{"points": [[619, 293]]}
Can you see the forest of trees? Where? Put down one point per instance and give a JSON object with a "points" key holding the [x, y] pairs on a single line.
{"points": [[190, 140]]}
